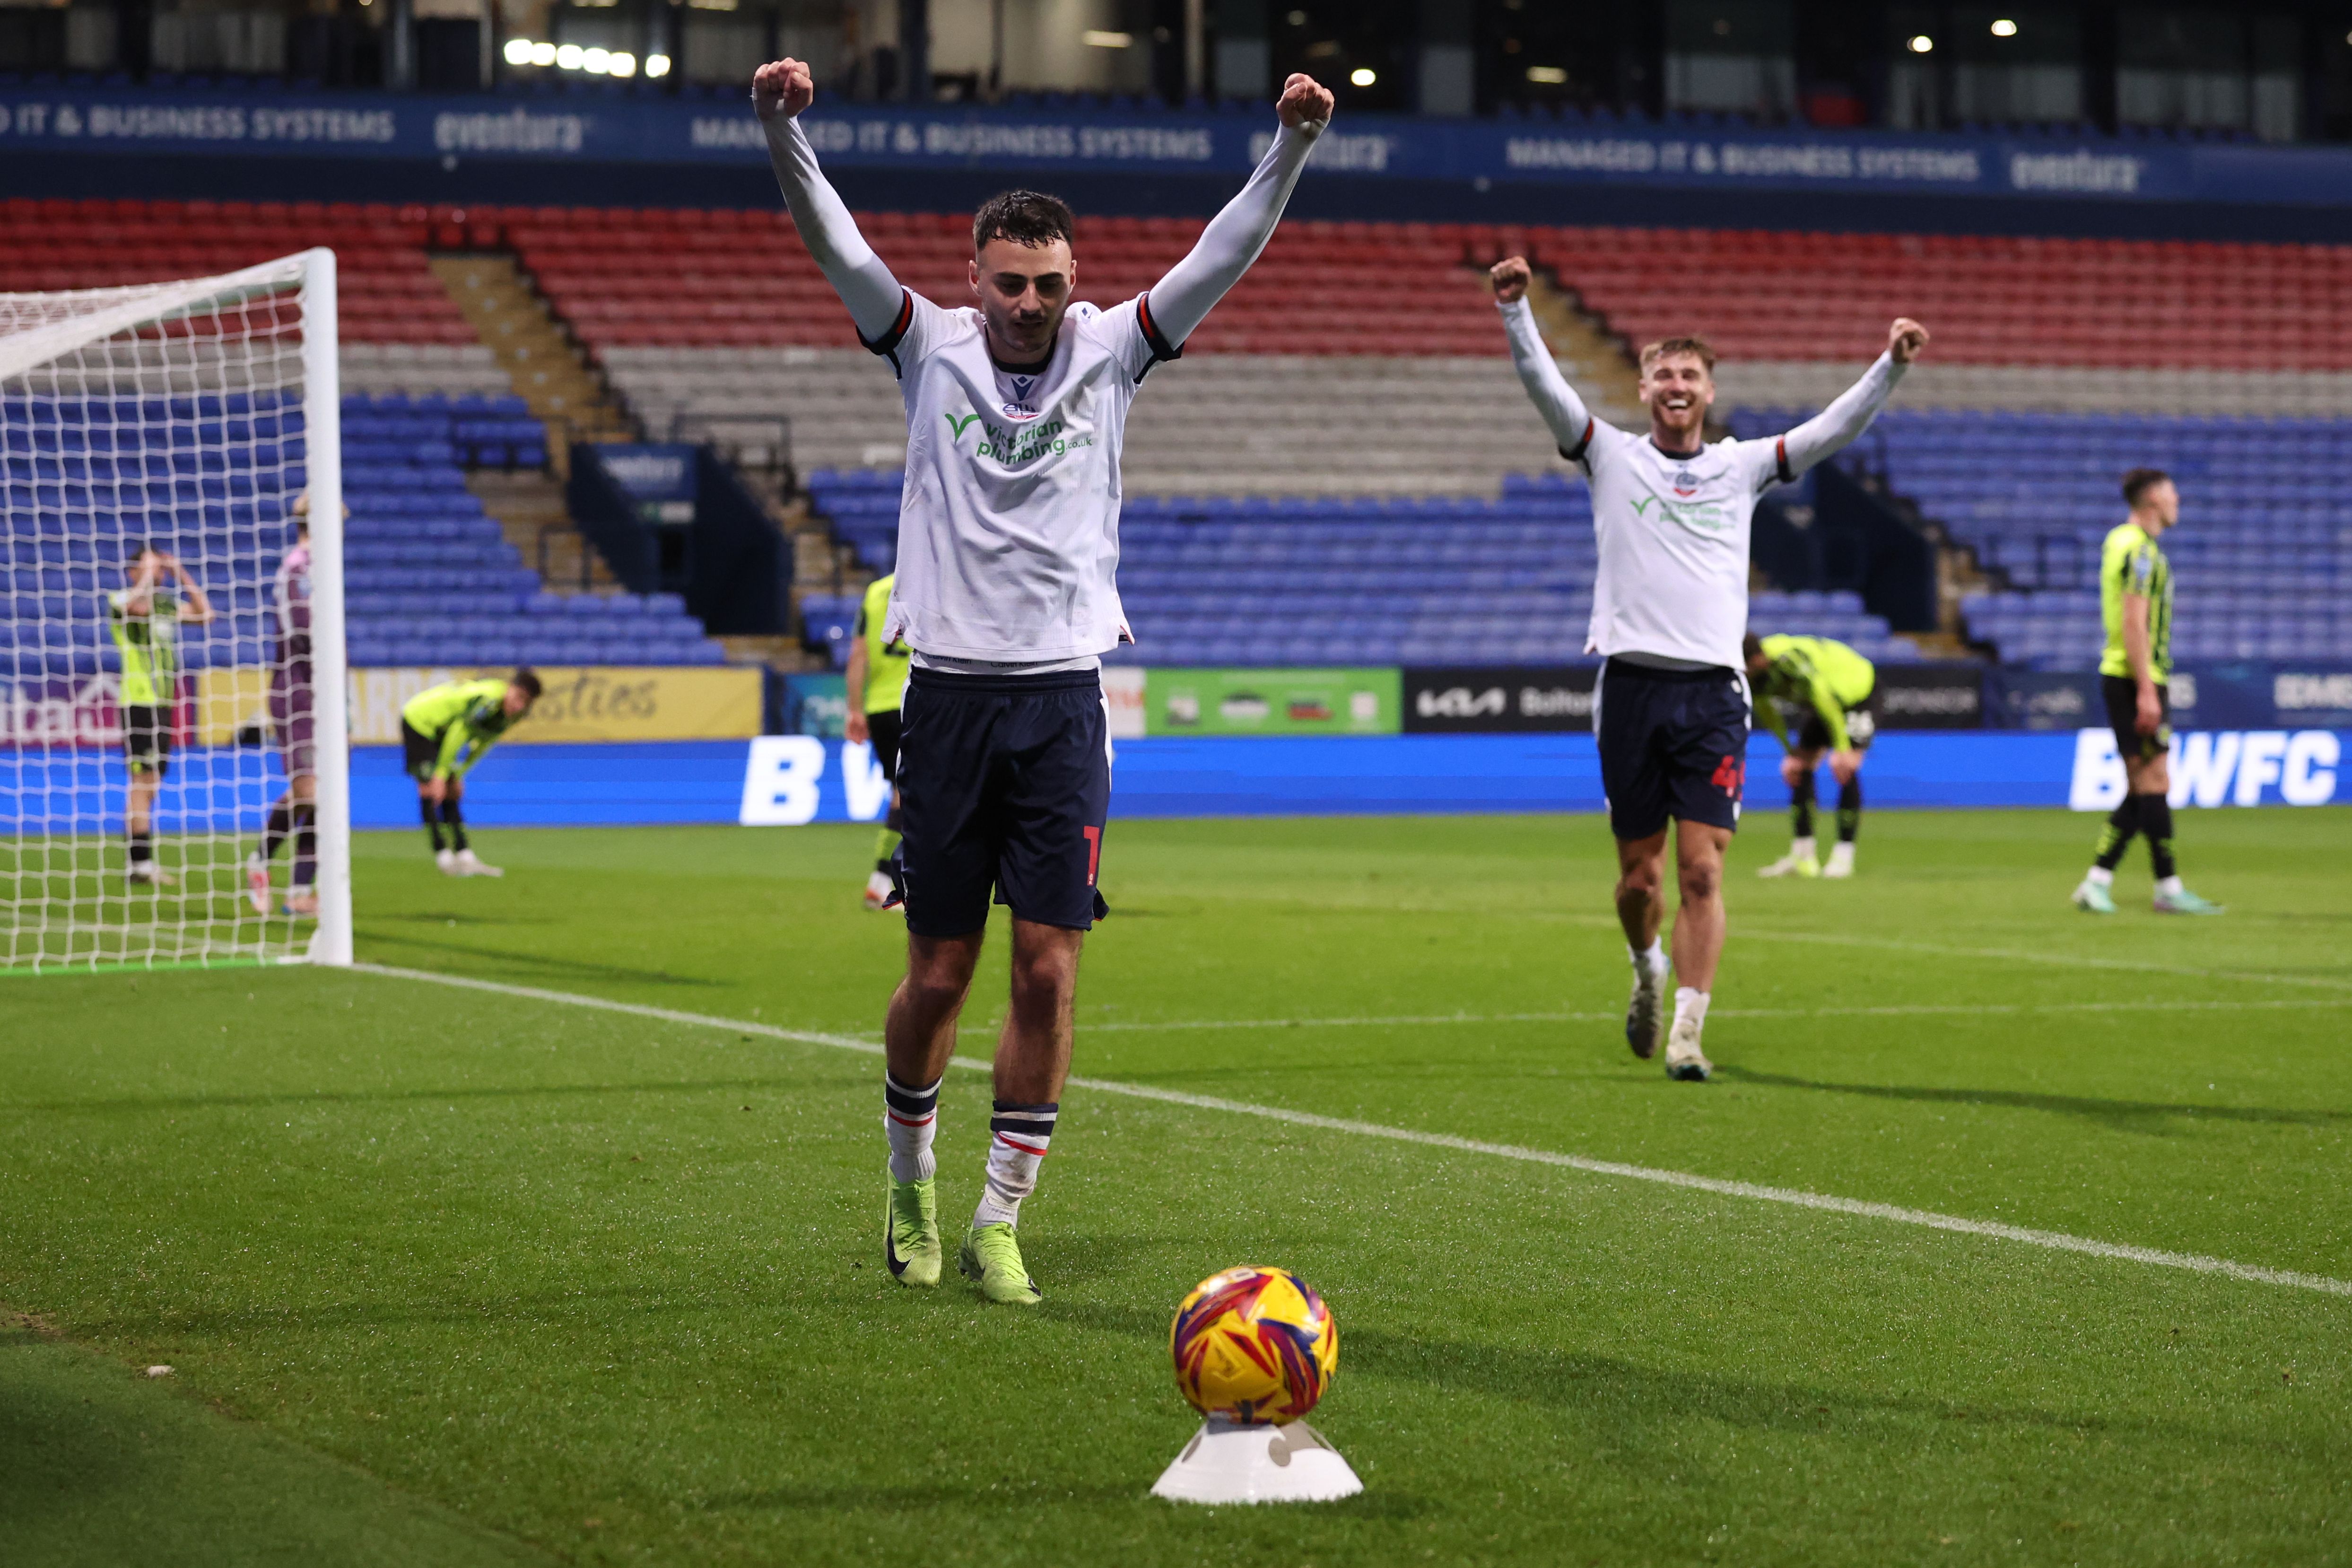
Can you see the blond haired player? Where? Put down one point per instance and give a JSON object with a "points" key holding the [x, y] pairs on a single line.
{"points": [[1669, 609]]}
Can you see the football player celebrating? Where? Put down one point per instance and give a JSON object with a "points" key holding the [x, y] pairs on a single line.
{"points": [[1669, 609], [1005, 595]]}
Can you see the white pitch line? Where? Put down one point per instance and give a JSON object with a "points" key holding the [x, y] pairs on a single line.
{"points": [[1955, 1009], [2064, 960], [2056, 1241]]}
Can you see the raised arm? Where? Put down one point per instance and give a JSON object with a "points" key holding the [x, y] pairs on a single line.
{"points": [[1181, 300], [780, 91], [195, 606], [1836, 426], [1571, 422]]}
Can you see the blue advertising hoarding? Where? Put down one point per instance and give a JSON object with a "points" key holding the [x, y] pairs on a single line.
{"points": [[794, 780], [588, 129]]}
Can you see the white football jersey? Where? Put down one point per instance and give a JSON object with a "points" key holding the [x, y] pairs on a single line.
{"points": [[1008, 530], [1673, 543]]}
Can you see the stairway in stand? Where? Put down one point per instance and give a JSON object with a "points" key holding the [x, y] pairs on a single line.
{"points": [[550, 371]]}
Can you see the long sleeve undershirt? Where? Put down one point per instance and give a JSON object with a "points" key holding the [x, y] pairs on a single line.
{"points": [[1835, 427], [1232, 239], [1180, 302], [857, 275], [1562, 408]]}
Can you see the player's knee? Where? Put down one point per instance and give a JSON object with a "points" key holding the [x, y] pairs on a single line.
{"points": [[1701, 880], [1639, 880], [1044, 971]]}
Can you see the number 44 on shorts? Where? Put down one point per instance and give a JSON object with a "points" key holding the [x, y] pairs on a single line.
{"points": [[1728, 775]]}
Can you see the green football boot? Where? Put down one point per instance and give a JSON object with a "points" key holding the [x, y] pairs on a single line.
{"points": [[910, 1232], [992, 1259], [2093, 899], [2184, 902]]}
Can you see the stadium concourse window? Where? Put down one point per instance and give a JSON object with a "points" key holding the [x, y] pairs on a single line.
{"points": [[1984, 64], [1362, 50]]}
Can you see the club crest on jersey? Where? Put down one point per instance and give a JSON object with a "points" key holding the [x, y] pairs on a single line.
{"points": [[1018, 405], [1686, 483]]}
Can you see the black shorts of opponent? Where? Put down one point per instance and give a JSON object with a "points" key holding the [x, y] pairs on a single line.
{"points": [[147, 738], [1861, 726], [882, 734], [2122, 694], [1674, 745], [1005, 782], [420, 754]]}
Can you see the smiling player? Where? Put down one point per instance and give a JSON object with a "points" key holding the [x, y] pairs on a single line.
{"points": [[1669, 610], [1006, 598]]}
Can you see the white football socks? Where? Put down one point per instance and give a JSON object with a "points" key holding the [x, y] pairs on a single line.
{"points": [[2171, 884], [1018, 1138], [911, 1116], [1653, 958], [1802, 848], [2099, 877], [1691, 1004]]}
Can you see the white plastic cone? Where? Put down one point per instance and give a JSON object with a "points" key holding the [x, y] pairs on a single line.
{"points": [[1225, 1462]]}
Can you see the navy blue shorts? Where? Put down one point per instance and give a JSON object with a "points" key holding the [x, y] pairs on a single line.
{"points": [[1005, 782], [1674, 744]]}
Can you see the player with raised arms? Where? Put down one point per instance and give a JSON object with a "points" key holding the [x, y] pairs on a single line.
{"points": [[1006, 595], [1671, 513]]}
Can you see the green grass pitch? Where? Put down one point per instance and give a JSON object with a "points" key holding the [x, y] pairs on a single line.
{"points": [[450, 1277]]}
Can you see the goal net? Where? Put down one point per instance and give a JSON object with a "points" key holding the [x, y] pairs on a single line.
{"points": [[171, 679]]}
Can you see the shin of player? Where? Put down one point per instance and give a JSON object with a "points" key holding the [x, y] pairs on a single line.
{"points": [[1672, 515], [1836, 691], [1016, 408], [144, 618], [2136, 603], [443, 731]]}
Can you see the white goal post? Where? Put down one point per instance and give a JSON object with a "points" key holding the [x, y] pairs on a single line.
{"points": [[155, 702]]}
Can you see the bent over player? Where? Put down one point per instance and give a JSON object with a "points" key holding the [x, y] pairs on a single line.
{"points": [[1006, 598], [1669, 611], [1837, 690], [444, 730]]}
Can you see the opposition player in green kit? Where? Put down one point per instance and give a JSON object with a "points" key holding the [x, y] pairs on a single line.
{"points": [[1836, 690], [444, 730], [877, 680], [144, 618], [2135, 672]]}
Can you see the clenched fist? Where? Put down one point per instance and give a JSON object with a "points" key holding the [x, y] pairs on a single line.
{"points": [[1511, 275], [1304, 102], [1904, 339], [781, 87]]}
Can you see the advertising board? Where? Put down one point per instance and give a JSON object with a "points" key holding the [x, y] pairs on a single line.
{"points": [[1271, 701]]}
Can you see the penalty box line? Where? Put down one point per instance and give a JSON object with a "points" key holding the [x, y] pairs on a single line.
{"points": [[2052, 1240]]}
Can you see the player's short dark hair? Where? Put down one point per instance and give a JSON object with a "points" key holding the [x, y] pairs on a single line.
{"points": [[132, 549], [1690, 343], [2139, 481], [1751, 647], [1024, 217], [529, 681]]}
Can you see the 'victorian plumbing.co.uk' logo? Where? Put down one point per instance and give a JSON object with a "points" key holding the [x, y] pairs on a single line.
{"points": [[1015, 447]]}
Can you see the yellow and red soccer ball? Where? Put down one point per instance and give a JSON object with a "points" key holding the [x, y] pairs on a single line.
{"points": [[1254, 1346]]}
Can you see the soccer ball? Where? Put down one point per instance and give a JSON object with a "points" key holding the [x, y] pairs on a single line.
{"points": [[1254, 1346]]}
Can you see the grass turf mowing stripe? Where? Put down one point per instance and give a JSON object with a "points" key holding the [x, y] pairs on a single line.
{"points": [[2056, 1241], [1924, 1010]]}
